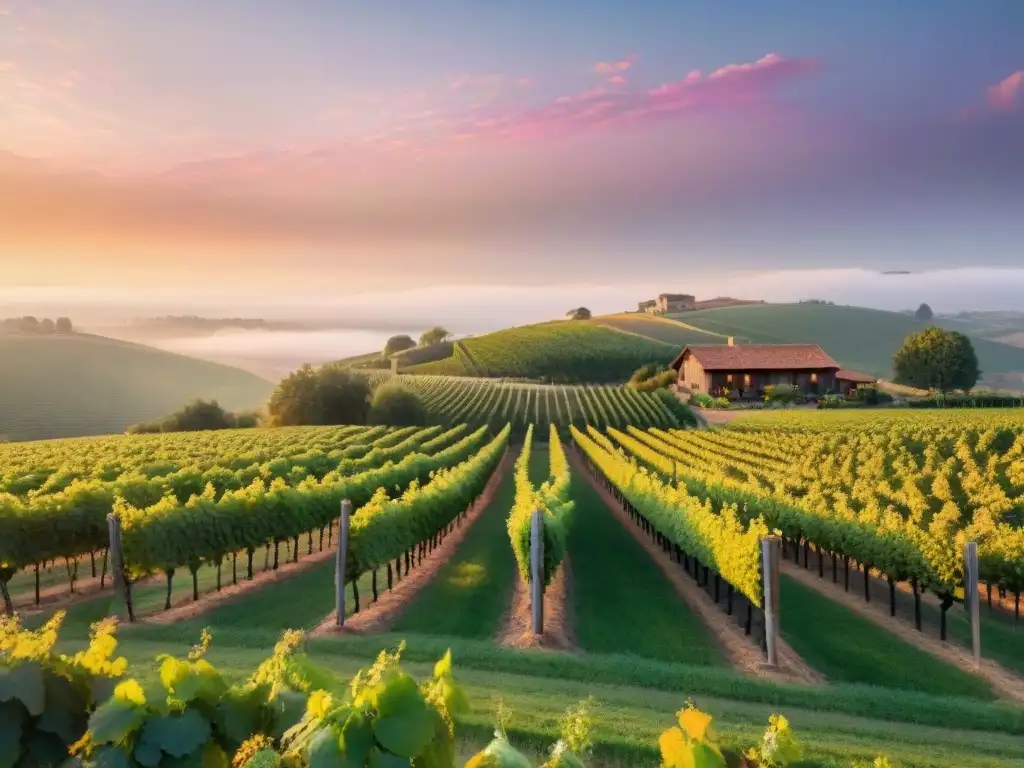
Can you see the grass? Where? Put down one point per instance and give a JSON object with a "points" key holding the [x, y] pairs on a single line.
{"points": [[66, 386], [622, 602], [658, 328], [847, 647], [470, 592], [629, 715]]}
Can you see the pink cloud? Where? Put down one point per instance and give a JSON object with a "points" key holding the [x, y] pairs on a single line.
{"points": [[1008, 94], [611, 67], [613, 104], [733, 86]]}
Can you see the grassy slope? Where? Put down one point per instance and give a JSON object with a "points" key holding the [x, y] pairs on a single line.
{"points": [[863, 339], [622, 602], [471, 591], [849, 648], [65, 386], [561, 350]]}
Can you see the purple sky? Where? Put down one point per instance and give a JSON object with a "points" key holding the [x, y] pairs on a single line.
{"points": [[267, 143]]}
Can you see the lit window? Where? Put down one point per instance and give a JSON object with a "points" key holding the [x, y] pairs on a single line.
{"points": [[728, 378], [814, 378], [746, 379]]}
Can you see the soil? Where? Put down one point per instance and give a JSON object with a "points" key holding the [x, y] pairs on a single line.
{"points": [[1005, 683], [516, 627], [187, 608], [381, 615], [741, 651]]}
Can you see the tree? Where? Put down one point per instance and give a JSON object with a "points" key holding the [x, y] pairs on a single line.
{"points": [[937, 359], [343, 397], [198, 415], [435, 335], [29, 324], [924, 313], [580, 313], [64, 325], [330, 395], [47, 326], [397, 344], [395, 405]]}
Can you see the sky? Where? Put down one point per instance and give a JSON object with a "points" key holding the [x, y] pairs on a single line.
{"points": [[271, 148]]}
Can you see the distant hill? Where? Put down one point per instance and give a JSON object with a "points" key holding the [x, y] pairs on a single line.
{"points": [[67, 386], [563, 351]]}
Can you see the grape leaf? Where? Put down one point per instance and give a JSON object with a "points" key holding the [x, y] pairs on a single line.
{"points": [[114, 720], [380, 759], [12, 718], [357, 738], [109, 757], [24, 683], [289, 709], [406, 733], [147, 753], [325, 750], [239, 715], [177, 735]]}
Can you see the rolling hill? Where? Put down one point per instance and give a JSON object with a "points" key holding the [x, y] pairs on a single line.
{"points": [[67, 386], [608, 348], [563, 351]]}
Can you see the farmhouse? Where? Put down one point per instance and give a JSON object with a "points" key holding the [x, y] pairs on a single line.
{"points": [[668, 302], [744, 371]]}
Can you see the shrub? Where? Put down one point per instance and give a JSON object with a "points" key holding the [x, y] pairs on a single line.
{"points": [[702, 400], [781, 394], [396, 405]]}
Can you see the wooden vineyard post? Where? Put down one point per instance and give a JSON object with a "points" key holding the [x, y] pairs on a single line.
{"points": [[971, 601], [770, 577], [340, 562], [117, 564], [537, 571]]}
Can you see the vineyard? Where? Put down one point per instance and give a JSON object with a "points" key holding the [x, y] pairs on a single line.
{"points": [[561, 352], [454, 400], [649, 534]]}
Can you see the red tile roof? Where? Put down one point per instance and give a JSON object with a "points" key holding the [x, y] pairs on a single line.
{"points": [[856, 377], [757, 357]]}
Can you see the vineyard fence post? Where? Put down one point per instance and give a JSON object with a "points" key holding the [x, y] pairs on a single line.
{"points": [[971, 601], [340, 561], [117, 564], [537, 571], [770, 577]]}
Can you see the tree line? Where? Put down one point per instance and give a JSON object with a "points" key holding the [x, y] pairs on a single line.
{"points": [[33, 325]]}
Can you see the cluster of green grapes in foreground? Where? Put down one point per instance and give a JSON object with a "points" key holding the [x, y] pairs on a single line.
{"points": [[289, 712]]}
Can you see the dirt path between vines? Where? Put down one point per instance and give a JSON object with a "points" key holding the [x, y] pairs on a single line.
{"points": [[516, 625], [381, 615], [186, 608], [741, 652], [1005, 683]]}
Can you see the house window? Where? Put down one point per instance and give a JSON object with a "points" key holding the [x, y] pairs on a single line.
{"points": [[746, 379], [814, 378], [728, 378]]}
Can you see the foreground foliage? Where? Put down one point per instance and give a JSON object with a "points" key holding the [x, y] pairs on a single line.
{"points": [[289, 712]]}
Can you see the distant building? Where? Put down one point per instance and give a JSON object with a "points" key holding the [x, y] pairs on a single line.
{"points": [[646, 306], [674, 302]]}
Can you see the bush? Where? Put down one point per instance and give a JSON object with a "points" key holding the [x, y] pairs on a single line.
{"points": [[395, 405], [781, 394], [830, 401], [702, 400], [197, 415]]}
